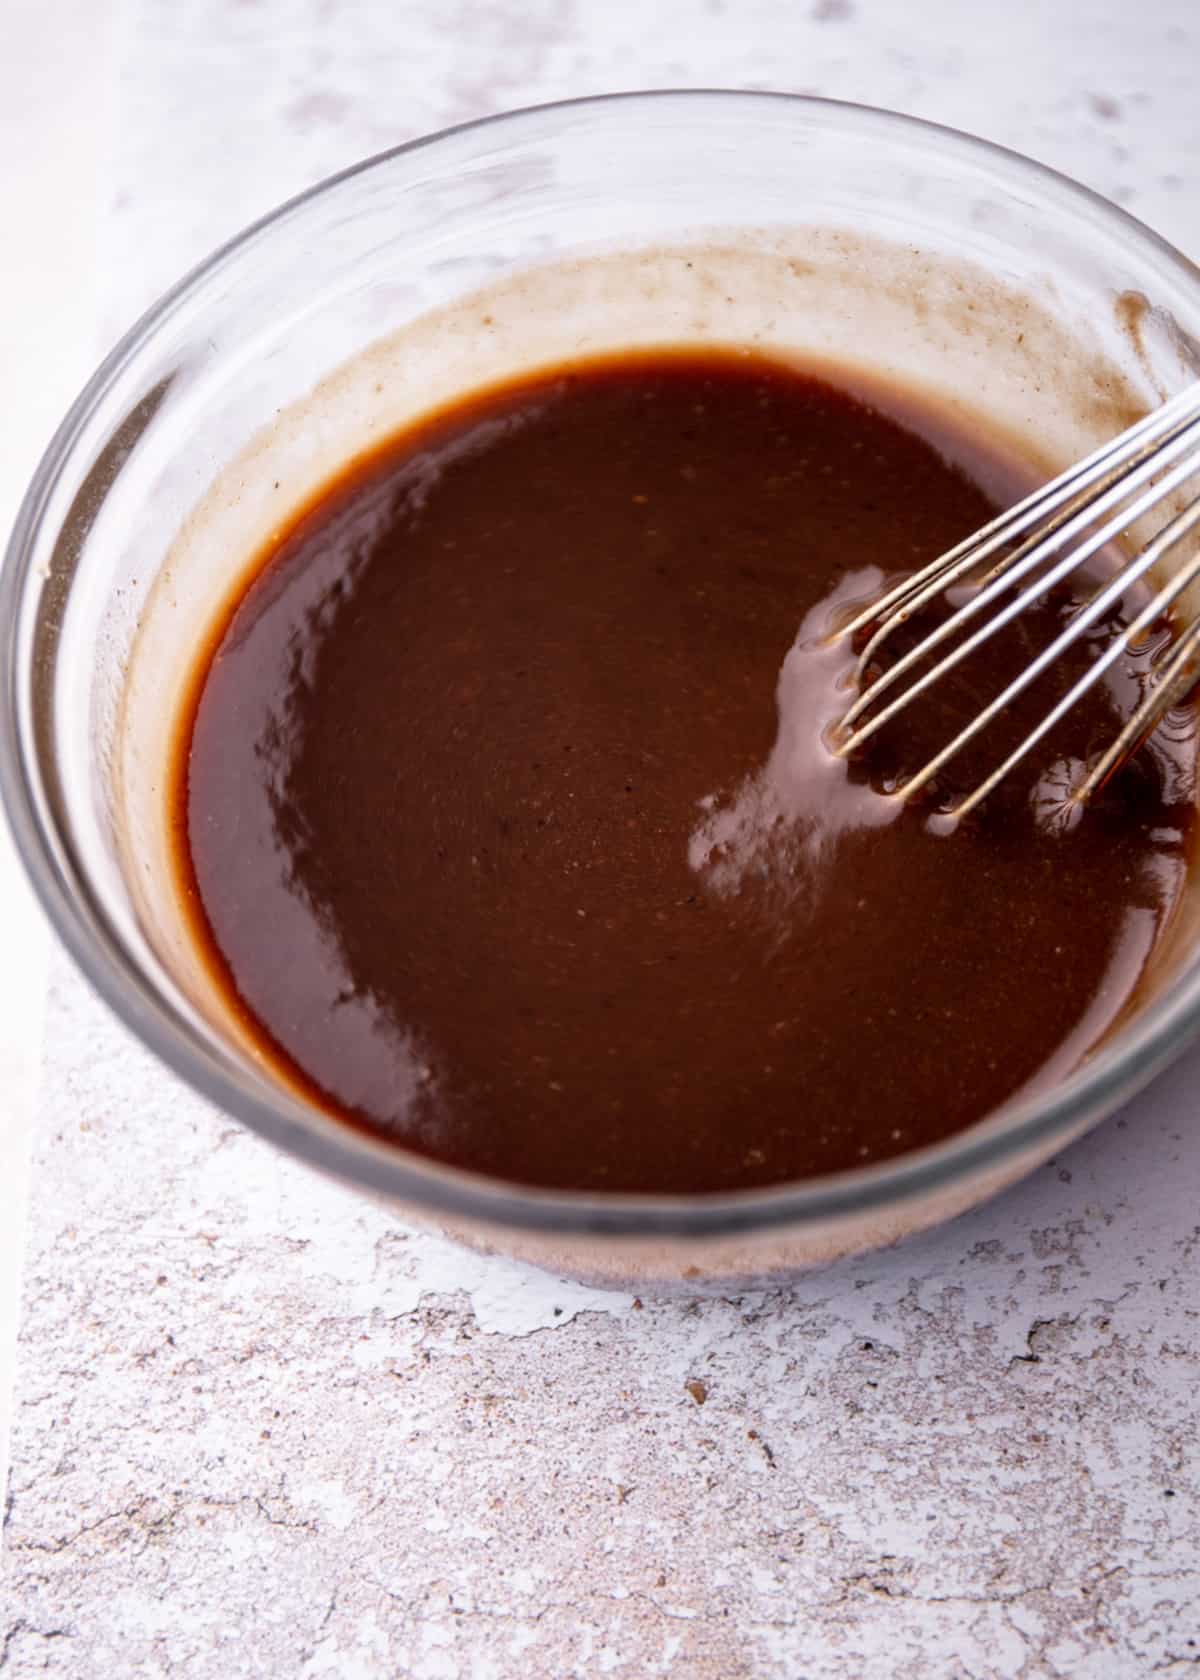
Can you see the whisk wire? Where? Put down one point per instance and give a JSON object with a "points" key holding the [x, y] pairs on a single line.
{"points": [[1132, 732], [1108, 460], [1081, 512], [1174, 682], [1028, 562]]}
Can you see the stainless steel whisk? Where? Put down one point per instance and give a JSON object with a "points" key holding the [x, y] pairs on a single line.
{"points": [[1048, 536]]}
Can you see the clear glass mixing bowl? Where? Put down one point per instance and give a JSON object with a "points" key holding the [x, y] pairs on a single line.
{"points": [[824, 229]]}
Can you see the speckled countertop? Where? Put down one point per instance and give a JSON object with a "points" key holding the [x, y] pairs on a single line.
{"points": [[261, 1429]]}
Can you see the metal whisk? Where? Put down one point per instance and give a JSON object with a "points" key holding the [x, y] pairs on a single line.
{"points": [[1044, 539]]}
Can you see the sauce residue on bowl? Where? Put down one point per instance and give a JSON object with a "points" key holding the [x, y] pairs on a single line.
{"points": [[503, 819]]}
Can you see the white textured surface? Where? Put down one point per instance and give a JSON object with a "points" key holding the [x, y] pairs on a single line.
{"points": [[53, 59], [265, 1431]]}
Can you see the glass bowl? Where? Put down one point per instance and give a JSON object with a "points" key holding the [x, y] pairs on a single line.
{"points": [[804, 227]]}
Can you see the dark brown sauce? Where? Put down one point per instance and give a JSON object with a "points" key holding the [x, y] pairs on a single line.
{"points": [[504, 821]]}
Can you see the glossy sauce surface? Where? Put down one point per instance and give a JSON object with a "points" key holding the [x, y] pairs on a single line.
{"points": [[504, 819]]}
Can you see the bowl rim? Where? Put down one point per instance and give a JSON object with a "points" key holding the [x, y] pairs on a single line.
{"points": [[1113, 1073]]}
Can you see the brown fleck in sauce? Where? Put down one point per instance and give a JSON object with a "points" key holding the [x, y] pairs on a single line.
{"points": [[505, 824]]}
